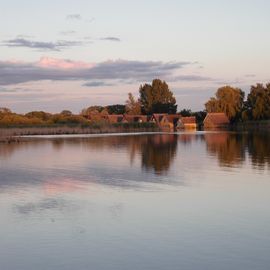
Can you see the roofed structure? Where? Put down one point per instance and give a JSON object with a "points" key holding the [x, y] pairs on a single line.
{"points": [[173, 118], [136, 118], [161, 119], [188, 122], [213, 120], [115, 118]]}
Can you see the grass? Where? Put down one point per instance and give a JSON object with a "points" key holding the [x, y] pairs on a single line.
{"points": [[19, 130]]}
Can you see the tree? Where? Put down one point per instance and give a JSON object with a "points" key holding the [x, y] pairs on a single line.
{"points": [[157, 98], [200, 115], [257, 106], [90, 109], [66, 113], [186, 112], [4, 110], [104, 112], [133, 106], [44, 116], [228, 100], [116, 109]]}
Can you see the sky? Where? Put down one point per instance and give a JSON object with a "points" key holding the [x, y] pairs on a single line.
{"points": [[71, 54]]}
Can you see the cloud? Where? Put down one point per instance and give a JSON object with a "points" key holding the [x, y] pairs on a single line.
{"points": [[250, 75], [64, 70], [97, 84], [189, 78], [67, 33], [25, 36], [90, 20], [73, 17], [116, 39], [48, 62], [53, 46], [229, 82], [15, 90], [88, 37]]}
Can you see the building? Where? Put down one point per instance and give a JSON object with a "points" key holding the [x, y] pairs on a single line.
{"points": [[136, 118], [162, 121], [116, 118], [92, 115], [188, 122], [216, 120], [173, 119]]}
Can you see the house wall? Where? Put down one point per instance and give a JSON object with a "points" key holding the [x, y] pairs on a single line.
{"points": [[207, 123], [190, 126], [210, 124]]}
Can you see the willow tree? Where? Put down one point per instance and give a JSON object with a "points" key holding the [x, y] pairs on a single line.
{"points": [[229, 100], [157, 98], [257, 106]]}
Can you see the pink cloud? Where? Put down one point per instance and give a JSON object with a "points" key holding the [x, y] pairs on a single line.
{"points": [[48, 62]]}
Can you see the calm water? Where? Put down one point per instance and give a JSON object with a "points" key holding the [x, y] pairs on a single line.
{"points": [[163, 201]]}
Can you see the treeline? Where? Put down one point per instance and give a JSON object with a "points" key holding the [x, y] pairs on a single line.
{"points": [[158, 98], [232, 102], [153, 98], [40, 119]]}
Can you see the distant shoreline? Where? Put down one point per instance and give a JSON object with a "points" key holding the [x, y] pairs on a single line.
{"points": [[13, 134]]}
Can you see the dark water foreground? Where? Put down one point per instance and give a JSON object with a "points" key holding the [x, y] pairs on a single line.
{"points": [[165, 201]]}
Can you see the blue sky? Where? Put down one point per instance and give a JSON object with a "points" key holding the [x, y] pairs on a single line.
{"points": [[60, 54]]}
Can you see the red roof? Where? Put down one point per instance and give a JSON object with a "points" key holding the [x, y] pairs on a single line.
{"points": [[158, 116], [188, 120], [217, 119]]}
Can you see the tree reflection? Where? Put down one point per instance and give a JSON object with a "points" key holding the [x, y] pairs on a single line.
{"points": [[228, 147], [259, 149], [231, 148], [155, 151], [158, 153]]}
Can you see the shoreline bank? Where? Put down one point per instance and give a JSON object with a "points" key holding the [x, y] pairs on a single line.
{"points": [[13, 134]]}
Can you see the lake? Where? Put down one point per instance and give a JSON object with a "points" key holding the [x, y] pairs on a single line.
{"points": [[139, 201]]}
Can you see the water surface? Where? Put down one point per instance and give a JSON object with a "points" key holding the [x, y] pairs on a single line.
{"points": [[157, 201]]}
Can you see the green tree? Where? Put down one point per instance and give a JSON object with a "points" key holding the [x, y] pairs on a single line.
{"points": [[133, 106], [229, 100], [66, 113], [116, 109], [91, 109], [157, 98], [185, 112], [200, 115], [257, 106], [44, 116]]}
